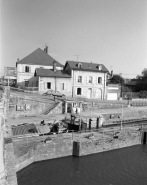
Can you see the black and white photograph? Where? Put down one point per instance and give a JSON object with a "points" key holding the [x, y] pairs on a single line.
{"points": [[73, 92]]}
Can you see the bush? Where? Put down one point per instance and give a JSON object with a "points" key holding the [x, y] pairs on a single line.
{"points": [[7, 140], [143, 94]]}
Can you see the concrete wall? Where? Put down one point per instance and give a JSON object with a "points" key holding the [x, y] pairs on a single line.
{"points": [[95, 145], [2, 125], [44, 152], [10, 165], [21, 104], [102, 105], [99, 142]]}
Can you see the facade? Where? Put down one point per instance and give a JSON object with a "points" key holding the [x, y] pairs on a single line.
{"points": [[52, 79], [77, 79], [88, 79], [27, 66]]}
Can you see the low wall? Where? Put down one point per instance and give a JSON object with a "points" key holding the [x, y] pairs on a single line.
{"points": [[44, 152], [111, 142]]}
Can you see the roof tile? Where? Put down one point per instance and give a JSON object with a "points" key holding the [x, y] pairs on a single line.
{"points": [[39, 57]]}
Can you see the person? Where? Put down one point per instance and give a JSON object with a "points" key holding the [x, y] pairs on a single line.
{"points": [[74, 110], [42, 123]]}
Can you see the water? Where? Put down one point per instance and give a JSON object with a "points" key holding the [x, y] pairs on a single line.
{"points": [[127, 166]]}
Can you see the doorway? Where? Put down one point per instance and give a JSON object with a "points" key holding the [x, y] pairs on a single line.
{"points": [[89, 93]]}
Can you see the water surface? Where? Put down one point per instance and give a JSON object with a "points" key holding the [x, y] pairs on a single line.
{"points": [[127, 166]]}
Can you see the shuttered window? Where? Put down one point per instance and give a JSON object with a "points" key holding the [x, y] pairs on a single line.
{"points": [[48, 85], [99, 80], [27, 69]]}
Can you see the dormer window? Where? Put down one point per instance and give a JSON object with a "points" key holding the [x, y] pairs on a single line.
{"points": [[79, 65], [99, 67]]}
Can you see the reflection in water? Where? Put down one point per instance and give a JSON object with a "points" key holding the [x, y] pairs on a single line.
{"points": [[126, 166]]}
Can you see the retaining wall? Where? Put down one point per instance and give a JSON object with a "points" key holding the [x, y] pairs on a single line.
{"points": [[44, 152], [91, 146]]}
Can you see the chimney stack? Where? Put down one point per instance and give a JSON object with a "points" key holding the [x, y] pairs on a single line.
{"points": [[18, 60], [111, 73], [46, 49], [54, 66]]}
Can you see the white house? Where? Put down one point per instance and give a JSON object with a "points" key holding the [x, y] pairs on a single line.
{"points": [[88, 79], [52, 79], [37, 59], [77, 79]]}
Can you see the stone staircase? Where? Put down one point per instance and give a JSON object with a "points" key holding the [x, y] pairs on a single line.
{"points": [[49, 107]]}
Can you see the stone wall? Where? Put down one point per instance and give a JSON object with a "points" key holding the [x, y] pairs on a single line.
{"points": [[10, 167], [111, 142], [44, 152]]}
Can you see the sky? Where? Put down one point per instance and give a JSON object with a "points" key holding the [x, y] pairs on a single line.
{"points": [[109, 32]]}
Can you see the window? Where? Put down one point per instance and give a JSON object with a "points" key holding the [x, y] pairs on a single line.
{"points": [[62, 86], [26, 83], [99, 80], [79, 91], [27, 69], [90, 80], [79, 65], [49, 85], [80, 79]]}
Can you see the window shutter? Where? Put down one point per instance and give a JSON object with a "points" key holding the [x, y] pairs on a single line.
{"points": [[87, 78], [96, 80], [76, 79], [23, 69], [45, 85], [61, 86], [93, 80], [64, 86], [29, 69]]}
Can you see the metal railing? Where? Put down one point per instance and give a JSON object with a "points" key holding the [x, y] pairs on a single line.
{"points": [[133, 95]]}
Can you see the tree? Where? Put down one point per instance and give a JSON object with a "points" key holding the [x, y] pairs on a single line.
{"points": [[144, 72], [117, 79]]}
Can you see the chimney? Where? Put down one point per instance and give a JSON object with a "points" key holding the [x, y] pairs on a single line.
{"points": [[111, 73], [54, 65], [18, 60], [46, 49]]}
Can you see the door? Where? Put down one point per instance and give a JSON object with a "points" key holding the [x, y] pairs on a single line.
{"points": [[42, 87], [112, 96], [89, 93], [98, 94]]}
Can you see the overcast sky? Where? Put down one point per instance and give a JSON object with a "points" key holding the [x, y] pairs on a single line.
{"points": [[109, 32]]}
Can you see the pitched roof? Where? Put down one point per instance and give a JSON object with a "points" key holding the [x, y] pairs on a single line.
{"points": [[39, 57], [50, 73], [86, 66]]}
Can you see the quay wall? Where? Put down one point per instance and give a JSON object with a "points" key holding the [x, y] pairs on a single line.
{"points": [[44, 152], [85, 144], [84, 147], [89, 143]]}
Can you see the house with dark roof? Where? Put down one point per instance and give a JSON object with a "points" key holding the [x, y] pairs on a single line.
{"points": [[52, 79], [88, 79], [37, 59], [77, 79]]}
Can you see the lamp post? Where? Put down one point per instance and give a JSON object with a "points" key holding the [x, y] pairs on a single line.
{"points": [[121, 117], [120, 81]]}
